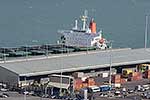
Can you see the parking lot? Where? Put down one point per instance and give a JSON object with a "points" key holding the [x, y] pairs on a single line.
{"points": [[136, 95], [17, 96]]}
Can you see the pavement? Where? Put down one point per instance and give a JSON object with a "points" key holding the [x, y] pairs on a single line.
{"points": [[17, 96], [128, 85]]}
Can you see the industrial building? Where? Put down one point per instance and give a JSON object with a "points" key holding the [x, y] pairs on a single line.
{"points": [[13, 71]]}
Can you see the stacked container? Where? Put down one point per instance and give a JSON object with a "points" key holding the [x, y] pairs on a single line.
{"points": [[116, 78], [77, 84], [90, 81], [122, 81], [135, 76], [78, 74], [147, 74]]}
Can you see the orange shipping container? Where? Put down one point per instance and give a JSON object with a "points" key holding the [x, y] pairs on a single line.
{"points": [[136, 74], [147, 74], [77, 84], [91, 83], [122, 81], [116, 81], [116, 78], [136, 78], [78, 87]]}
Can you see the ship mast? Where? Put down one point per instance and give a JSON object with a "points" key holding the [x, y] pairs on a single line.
{"points": [[76, 25], [84, 19]]}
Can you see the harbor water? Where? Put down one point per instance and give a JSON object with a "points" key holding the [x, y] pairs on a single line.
{"points": [[31, 22]]}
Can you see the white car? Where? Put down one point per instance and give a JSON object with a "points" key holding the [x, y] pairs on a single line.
{"points": [[117, 93], [3, 89], [94, 88], [146, 87]]}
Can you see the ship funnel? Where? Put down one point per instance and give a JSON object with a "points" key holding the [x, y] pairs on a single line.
{"points": [[92, 26]]}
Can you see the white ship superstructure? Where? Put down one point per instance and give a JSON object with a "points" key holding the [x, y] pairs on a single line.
{"points": [[85, 36]]}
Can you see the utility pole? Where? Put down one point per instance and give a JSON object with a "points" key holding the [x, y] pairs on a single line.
{"points": [[4, 56], [26, 47], [110, 70], [61, 70], [146, 31], [87, 44], [25, 98], [47, 50]]}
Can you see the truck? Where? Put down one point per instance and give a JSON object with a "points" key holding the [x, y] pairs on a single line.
{"points": [[143, 67], [105, 88], [126, 72]]}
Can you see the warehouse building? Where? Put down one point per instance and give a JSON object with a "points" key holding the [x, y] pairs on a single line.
{"points": [[14, 71]]}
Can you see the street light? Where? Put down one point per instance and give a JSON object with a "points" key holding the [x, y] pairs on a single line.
{"points": [[4, 56], [110, 70], [146, 31], [47, 49], [61, 65], [25, 98], [26, 51]]}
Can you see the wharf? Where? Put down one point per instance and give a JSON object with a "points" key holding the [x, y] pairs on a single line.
{"points": [[76, 61]]}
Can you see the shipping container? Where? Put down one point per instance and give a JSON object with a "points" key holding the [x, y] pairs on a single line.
{"points": [[77, 84], [143, 67], [135, 76], [90, 81], [116, 78], [126, 72], [105, 74], [147, 74], [78, 74], [122, 81]]}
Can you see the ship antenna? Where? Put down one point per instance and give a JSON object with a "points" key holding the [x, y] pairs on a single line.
{"points": [[84, 19]]}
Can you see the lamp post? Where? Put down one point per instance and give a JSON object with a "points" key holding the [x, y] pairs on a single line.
{"points": [[25, 98], [47, 49], [26, 51], [146, 31], [4, 56], [61, 65], [110, 69]]}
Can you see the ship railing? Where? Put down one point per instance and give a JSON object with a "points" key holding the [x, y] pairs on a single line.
{"points": [[64, 31]]}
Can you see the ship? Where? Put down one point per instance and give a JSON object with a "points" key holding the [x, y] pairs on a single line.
{"points": [[86, 36]]}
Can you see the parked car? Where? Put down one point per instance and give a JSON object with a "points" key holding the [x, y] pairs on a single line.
{"points": [[4, 89], [146, 95], [105, 88], [130, 91], [140, 88], [4, 95], [146, 87], [94, 88], [117, 93], [103, 95]]}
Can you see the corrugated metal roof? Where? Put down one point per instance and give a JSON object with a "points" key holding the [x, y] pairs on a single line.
{"points": [[78, 61]]}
